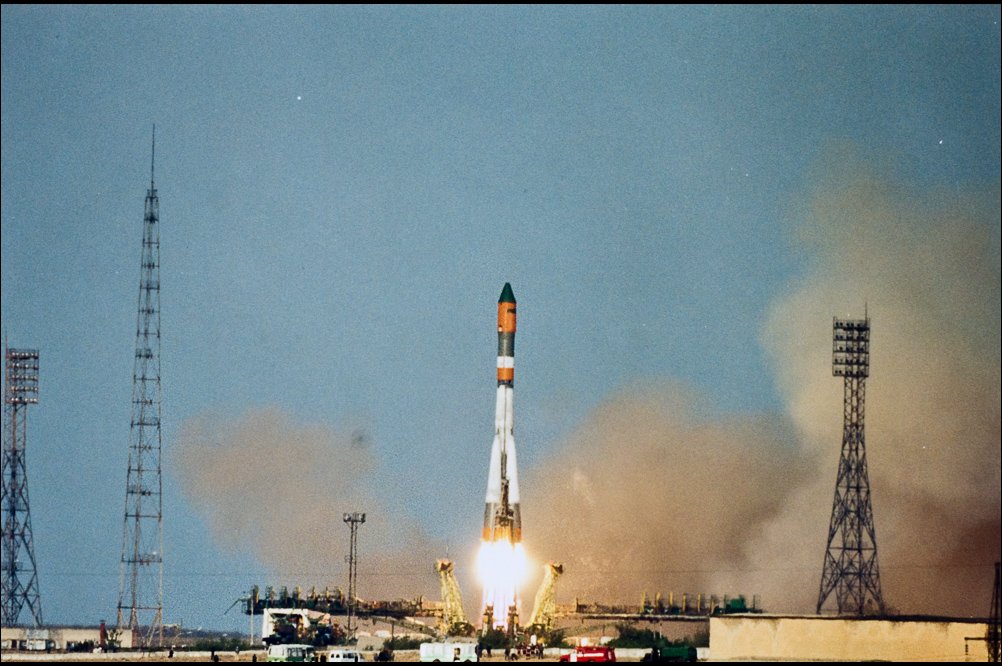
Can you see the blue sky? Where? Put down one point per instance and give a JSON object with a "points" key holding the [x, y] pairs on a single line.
{"points": [[345, 190]]}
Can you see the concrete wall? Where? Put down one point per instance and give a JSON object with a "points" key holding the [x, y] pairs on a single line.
{"points": [[765, 637], [58, 638], [595, 628]]}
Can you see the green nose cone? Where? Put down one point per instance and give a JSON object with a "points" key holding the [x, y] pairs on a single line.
{"points": [[507, 295]]}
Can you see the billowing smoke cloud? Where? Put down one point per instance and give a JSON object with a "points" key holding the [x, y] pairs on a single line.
{"points": [[647, 496], [652, 494], [279, 489], [926, 265]]}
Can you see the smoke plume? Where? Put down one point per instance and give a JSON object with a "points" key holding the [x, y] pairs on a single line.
{"points": [[651, 494], [647, 496], [654, 492], [926, 266], [279, 489]]}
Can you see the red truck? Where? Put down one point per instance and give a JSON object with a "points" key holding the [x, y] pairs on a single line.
{"points": [[591, 653]]}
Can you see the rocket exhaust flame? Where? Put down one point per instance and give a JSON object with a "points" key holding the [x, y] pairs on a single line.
{"points": [[502, 568], [501, 563]]}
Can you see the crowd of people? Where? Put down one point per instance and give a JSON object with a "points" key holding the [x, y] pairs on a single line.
{"points": [[521, 651]]}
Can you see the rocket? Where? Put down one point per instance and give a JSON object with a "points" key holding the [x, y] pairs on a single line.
{"points": [[502, 513]]}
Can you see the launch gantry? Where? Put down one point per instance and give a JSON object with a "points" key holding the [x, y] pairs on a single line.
{"points": [[453, 615]]}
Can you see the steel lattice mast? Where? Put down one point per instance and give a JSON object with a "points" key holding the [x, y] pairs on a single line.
{"points": [[140, 596], [850, 568], [20, 577]]}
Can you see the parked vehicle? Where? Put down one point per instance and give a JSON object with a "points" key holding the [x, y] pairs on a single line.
{"points": [[344, 654], [591, 653], [448, 651], [671, 653], [291, 652]]}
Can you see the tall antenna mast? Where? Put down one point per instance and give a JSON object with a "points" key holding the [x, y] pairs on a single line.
{"points": [[850, 568], [20, 577], [141, 589], [153, 155]]}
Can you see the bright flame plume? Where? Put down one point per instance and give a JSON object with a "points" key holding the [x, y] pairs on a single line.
{"points": [[501, 568]]}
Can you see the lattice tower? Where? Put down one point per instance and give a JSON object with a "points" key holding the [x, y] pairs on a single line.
{"points": [[353, 520], [20, 576], [850, 566], [141, 589]]}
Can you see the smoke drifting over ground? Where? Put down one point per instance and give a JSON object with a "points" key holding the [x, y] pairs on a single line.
{"points": [[647, 496], [278, 489], [927, 266], [655, 493], [651, 495]]}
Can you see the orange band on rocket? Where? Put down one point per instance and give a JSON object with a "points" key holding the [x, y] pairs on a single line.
{"points": [[506, 336]]}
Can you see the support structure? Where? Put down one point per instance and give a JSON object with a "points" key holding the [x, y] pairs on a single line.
{"points": [[453, 615], [353, 520], [994, 633], [850, 566], [141, 590], [545, 609], [20, 576]]}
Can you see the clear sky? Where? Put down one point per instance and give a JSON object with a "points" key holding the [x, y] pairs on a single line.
{"points": [[345, 190]]}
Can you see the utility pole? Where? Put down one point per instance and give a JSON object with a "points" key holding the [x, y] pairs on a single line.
{"points": [[141, 575], [994, 633], [353, 520], [850, 567], [20, 576]]}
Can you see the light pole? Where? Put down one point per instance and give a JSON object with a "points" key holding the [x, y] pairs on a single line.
{"points": [[850, 566], [353, 520]]}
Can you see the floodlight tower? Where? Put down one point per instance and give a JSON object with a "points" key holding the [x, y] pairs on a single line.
{"points": [[850, 568], [141, 583], [20, 577], [353, 520]]}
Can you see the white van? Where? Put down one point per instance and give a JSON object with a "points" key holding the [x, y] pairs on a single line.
{"points": [[291, 653], [448, 652], [345, 654]]}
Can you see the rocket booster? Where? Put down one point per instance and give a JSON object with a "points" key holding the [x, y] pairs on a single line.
{"points": [[502, 513]]}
